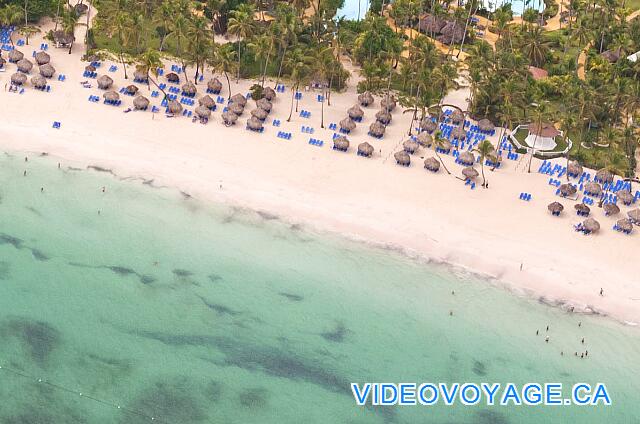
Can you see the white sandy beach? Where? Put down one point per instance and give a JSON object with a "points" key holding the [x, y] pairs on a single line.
{"points": [[436, 216]]}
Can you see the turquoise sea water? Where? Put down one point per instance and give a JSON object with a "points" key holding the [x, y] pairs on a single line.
{"points": [[194, 313]]}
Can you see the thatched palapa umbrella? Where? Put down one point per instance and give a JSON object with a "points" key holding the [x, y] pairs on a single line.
{"points": [[237, 108], [485, 125], [567, 190], [90, 68], [341, 143], [18, 78], [229, 118], [365, 149], [402, 158], [593, 189], [432, 164], [383, 117], [111, 96], [410, 146], [42, 58], [239, 99], [140, 76], [376, 129], [47, 70], [39, 81], [470, 173], [206, 101], [131, 89], [141, 103], [355, 112], [264, 104], [259, 113], [582, 209], [15, 56], [428, 125], [466, 158], [25, 66], [459, 133], [604, 176], [555, 208], [365, 99], [625, 225], [388, 103], [254, 124], [269, 93], [611, 209], [189, 89], [203, 112], [214, 85], [104, 82], [173, 77], [574, 169], [634, 216], [625, 197], [347, 124], [424, 139], [174, 107], [445, 145], [591, 225], [457, 116]]}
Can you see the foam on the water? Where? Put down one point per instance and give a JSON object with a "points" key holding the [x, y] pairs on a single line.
{"points": [[196, 313]]}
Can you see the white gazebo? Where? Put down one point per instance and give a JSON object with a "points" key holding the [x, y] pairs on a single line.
{"points": [[542, 136]]}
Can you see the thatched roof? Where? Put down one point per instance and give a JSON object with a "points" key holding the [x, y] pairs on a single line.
{"points": [[42, 58], [402, 158], [410, 146], [383, 117], [239, 99], [214, 84], [591, 225], [452, 32], [140, 76], [174, 107], [269, 93], [237, 108], [18, 78], [229, 118], [172, 77], [260, 113], [365, 99], [265, 104], [431, 24], [428, 125], [467, 158], [604, 176], [355, 112], [445, 145], [567, 190], [90, 68], [347, 124], [140, 103], [555, 207], [189, 88], [593, 188], [341, 143], [611, 209], [254, 123], [432, 164], [25, 66], [625, 224], [544, 129], [131, 89], [47, 70], [470, 172], [111, 96], [377, 129], [63, 38], [582, 208], [459, 133], [634, 215], [202, 111], [104, 82], [388, 103], [457, 116], [424, 139], [15, 55], [206, 101], [365, 149], [39, 81], [485, 125], [574, 168], [625, 196]]}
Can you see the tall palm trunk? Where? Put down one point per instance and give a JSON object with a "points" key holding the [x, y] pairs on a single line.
{"points": [[266, 64], [239, 59], [293, 92], [284, 52], [228, 83]]}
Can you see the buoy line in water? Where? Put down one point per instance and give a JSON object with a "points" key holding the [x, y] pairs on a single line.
{"points": [[81, 394]]}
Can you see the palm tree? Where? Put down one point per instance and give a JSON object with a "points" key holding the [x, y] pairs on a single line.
{"points": [[287, 24], [540, 115], [69, 22], [164, 18], [262, 47], [299, 65], [484, 150], [241, 25], [438, 142], [179, 32], [122, 27], [198, 36], [534, 46], [149, 62], [28, 31], [223, 60]]}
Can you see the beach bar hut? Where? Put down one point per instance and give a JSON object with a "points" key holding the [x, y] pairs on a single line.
{"points": [[410, 146], [42, 58], [18, 78], [25, 66], [47, 70], [15, 56], [365, 99], [341, 144], [355, 112], [365, 149], [555, 208], [214, 86], [229, 118], [432, 164], [104, 82], [141, 103], [402, 158], [347, 125]]}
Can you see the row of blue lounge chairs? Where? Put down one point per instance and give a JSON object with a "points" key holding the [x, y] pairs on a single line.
{"points": [[305, 114], [525, 196], [284, 135], [316, 142], [307, 130]]}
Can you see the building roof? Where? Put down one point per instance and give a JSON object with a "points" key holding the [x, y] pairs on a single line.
{"points": [[544, 130], [538, 73]]}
